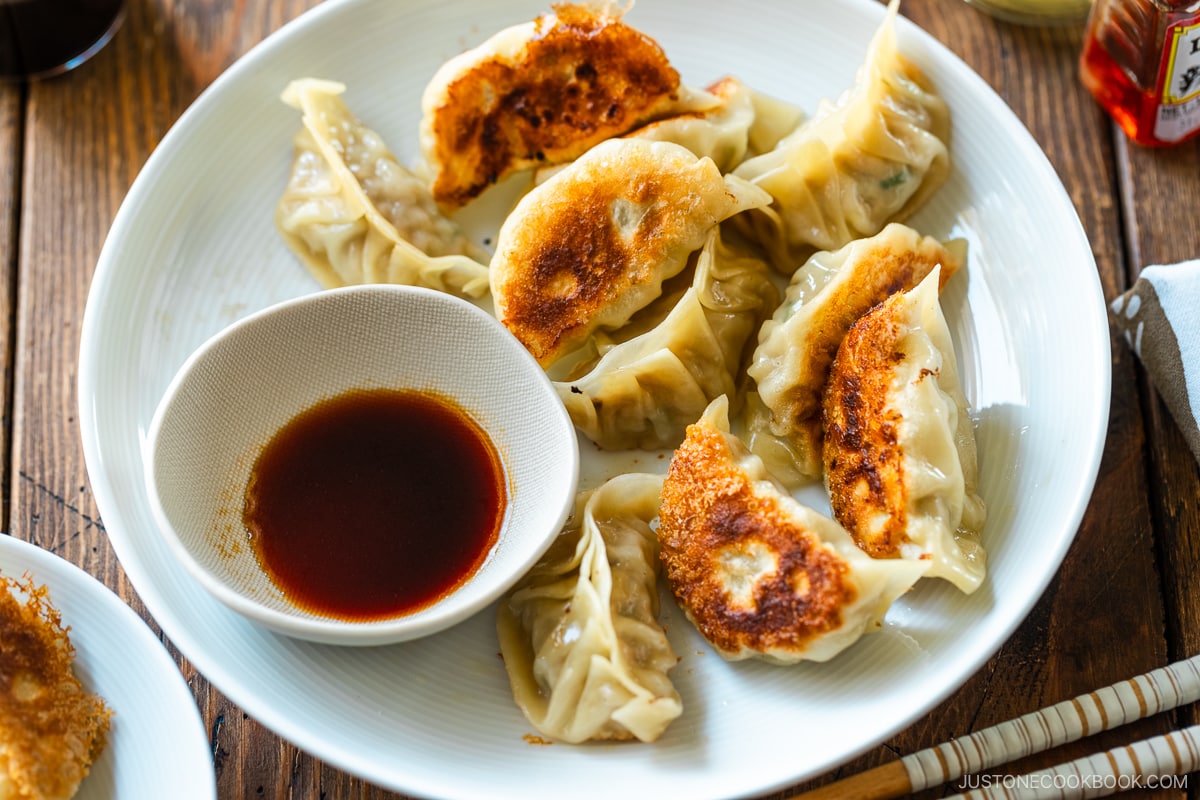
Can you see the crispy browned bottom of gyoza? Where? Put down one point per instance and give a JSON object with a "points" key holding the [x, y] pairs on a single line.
{"points": [[51, 727], [593, 245], [543, 93], [758, 573], [899, 449]]}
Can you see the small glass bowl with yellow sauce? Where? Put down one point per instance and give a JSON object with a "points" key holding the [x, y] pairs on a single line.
{"points": [[1036, 12]]}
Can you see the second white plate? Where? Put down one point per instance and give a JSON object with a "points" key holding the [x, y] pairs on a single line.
{"points": [[156, 746]]}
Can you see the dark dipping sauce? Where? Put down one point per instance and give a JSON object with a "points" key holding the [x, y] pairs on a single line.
{"points": [[375, 504]]}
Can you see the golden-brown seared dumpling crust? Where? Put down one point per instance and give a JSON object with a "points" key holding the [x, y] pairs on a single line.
{"points": [[824, 298], [760, 574], [721, 540], [541, 93], [865, 464], [51, 728], [592, 245], [899, 451]]}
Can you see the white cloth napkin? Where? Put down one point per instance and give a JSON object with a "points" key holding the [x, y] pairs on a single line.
{"points": [[1160, 317]]}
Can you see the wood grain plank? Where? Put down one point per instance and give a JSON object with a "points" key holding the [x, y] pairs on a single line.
{"points": [[12, 139]]}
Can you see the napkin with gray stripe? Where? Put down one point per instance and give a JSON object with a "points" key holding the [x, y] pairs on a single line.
{"points": [[1160, 317]]}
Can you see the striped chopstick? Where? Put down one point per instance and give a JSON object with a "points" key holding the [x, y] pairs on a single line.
{"points": [[1144, 696], [1148, 764]]}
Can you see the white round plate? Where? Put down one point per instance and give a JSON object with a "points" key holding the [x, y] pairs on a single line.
{"points": [[156, 746], [194, 248]]}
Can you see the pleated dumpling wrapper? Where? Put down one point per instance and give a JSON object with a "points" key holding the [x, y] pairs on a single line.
{"points": [[874, 156], [758, 573], [591, 246], [353, 214], [900, 457], [585, 653], [542, 93], [790, 365], [643, 392], [745, 123]]}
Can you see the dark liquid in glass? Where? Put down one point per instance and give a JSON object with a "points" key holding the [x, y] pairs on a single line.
{"points": [[39, 38]]}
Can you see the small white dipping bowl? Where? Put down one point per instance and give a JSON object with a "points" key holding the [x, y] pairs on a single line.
{"points": [[246, 383]]}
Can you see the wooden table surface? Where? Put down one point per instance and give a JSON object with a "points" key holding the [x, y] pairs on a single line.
{"points": [[1124, 601]]}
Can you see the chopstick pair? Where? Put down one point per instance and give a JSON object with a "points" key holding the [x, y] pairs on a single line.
{"points": [[1172, 754]]}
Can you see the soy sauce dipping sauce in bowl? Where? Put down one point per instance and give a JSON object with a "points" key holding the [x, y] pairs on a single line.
{"points": [[411, 477], [361, 466]]}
